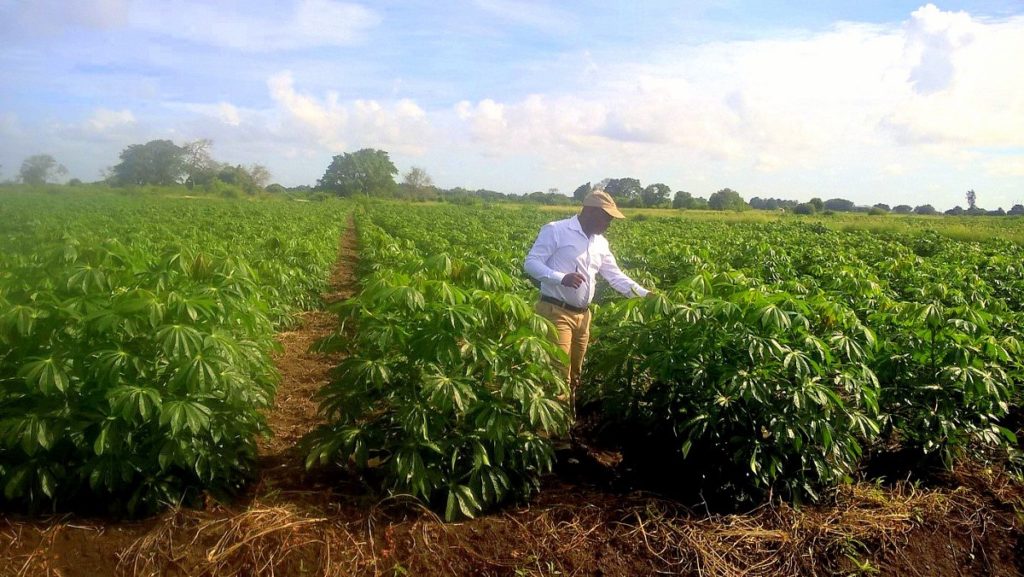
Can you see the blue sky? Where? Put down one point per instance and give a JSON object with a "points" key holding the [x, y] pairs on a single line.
{"points": [[875, 101]]}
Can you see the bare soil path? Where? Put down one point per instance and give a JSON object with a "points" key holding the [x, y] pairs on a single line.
{"points": [[303, 373]]}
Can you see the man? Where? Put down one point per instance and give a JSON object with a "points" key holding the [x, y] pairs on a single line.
{"points": [[565, 259]]}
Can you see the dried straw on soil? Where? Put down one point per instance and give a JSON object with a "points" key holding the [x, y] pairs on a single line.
{"points": [[560, 536]]}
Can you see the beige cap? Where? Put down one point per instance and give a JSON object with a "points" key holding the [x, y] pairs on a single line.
{"points": [[602, 200]]}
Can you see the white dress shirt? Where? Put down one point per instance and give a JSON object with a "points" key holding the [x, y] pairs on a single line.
{"points": [[561, 248]]}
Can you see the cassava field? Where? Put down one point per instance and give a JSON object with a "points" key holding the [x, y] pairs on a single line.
{"points": [[199, 386]]}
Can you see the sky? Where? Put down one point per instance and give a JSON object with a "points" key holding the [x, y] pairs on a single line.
{"points": [[875, 101]]}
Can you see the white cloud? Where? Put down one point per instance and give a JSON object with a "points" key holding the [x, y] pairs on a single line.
{"points": [[550, 128], [104, 120], [933, 39], [1006, 166], [335, 126], [982, 103], [228, 114], [856, 95]]}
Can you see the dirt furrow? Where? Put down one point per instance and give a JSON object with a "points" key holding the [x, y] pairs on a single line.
{"points": [[303, 373]]}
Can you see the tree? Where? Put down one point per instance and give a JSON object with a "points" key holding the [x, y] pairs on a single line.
{"points": [[955, 211], [418, 182], [260, 175], [158, 162], [581, 192], [1016, 210], [699, 203], [625, 190], [237, 176], [805, 208], [925, 209], [682, 200], [367, 171], [972, 199], [199, 166], [726, 199], [655, 194], [40, 168], [903, 209], [817, 204], [883, 206], [839, 205]]}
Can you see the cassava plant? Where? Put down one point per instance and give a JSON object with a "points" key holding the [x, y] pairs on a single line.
{"points": [[449, 391], [133, 363], [757, 390]]}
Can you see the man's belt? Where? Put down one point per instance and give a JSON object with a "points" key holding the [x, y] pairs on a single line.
{"points": [[563, 304]]}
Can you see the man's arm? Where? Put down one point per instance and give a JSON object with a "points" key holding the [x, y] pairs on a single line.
{"points": [[536, 263], [613, 274]]}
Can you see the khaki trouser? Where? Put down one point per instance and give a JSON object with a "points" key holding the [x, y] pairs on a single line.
{"points": [[573, 337]]}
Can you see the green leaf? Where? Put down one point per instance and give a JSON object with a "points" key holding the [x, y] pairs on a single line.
{"points": [[48, 375]]}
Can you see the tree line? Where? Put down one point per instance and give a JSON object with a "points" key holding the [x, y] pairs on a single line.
{"points": [[370, 172]]}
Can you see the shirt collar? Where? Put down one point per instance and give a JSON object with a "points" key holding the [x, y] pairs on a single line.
{"points": [[574, 224]]}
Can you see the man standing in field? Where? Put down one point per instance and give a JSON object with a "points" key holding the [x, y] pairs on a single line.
{"points": [[565, 259]]}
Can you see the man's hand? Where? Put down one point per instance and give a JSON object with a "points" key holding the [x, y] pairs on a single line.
{"points": [[573, 280]]}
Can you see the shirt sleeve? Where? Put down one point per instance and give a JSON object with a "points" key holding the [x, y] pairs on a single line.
{"points": [[536, 263], [613, 274]]}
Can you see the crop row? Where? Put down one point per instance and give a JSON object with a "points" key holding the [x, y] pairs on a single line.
{"points": [[783, 353], [449, 390], [136, 340], [778, 356]]}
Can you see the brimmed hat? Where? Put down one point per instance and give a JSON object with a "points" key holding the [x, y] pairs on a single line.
{"points": [[602, 200]]}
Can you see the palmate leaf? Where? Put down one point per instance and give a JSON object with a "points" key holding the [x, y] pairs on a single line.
{"points": [[185, 414], [548, 414], [48, 375], [179, 340], [445, 292], [22, 319], [459, 319], [201, 373], [19, 481], [491, 483], [134, 403], [365, 371], [88, 279], [109, 366], [461, 503], [772, 317], [192, 306], [448, 393]]}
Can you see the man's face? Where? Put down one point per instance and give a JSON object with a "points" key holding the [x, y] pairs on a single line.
{"points": [[603, 221], [595, 220]]}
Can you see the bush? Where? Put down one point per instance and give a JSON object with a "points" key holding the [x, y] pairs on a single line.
{"points": [[128, 397], [449, 392], [764, 391], [950, 374]]}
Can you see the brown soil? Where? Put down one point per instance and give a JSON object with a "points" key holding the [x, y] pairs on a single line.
{"points": [[303, 373], [293, 523]]}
